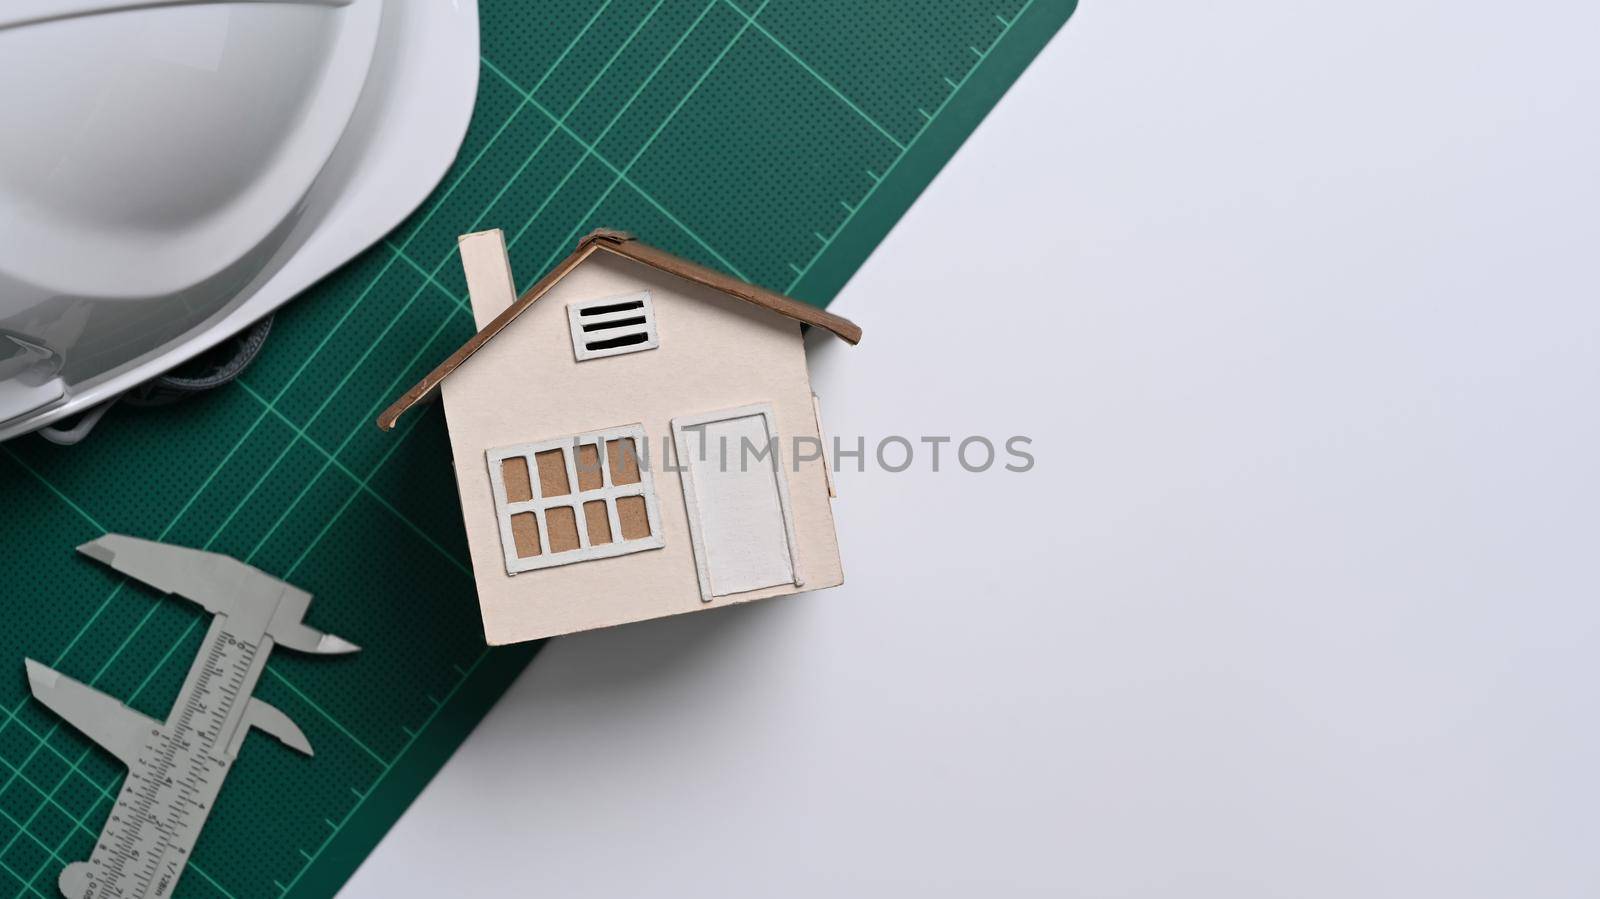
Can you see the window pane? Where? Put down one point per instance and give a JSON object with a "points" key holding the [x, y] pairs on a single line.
{"points": [[584, 497], [594, 517], [633, 518], [562, 523], [623, 457], [525, 532], [589, 466], [515, 472], [553, 475]]}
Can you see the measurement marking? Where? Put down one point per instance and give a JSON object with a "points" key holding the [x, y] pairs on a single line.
{"points": [[175, 767], [930, 118]]}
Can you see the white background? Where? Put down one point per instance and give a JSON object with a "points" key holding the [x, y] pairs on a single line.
{"points": [[1298, 302]]}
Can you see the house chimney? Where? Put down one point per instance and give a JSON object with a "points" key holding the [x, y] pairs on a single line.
{"points": [[488, 268]]}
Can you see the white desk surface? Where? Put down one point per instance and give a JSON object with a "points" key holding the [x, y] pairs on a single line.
{"points": [[1299, 303]]}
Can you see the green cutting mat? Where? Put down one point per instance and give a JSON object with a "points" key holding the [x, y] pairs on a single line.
{"points": [[775, 139]]}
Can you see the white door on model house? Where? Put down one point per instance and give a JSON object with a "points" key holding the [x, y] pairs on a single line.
{"points": [[740, 518]]}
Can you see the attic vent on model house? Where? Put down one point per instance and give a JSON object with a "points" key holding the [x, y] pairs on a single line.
{"points": [[612, 326]]}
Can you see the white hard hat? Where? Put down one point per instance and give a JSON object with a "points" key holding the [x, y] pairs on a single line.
{"points": [[171, 172]]}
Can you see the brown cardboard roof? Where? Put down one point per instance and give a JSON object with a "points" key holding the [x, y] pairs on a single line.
{"points": [[621, 244]]}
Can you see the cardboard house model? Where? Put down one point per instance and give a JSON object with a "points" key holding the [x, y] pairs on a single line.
{"points": [[634, 437]]}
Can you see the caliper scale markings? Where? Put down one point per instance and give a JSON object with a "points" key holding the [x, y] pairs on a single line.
{"points": [[176, 768]]}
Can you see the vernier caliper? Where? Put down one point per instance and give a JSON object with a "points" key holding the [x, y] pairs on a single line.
{"points": [[175, 769]]}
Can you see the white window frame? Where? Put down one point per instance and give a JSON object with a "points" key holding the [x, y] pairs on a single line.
{"points": [[575, 498], [691, 499], [576, 321]]}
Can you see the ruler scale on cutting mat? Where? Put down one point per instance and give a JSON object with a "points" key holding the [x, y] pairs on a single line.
{"points": [[776, 140]]}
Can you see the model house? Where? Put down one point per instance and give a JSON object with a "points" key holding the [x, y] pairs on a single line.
{"points": [[633, 437]]}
